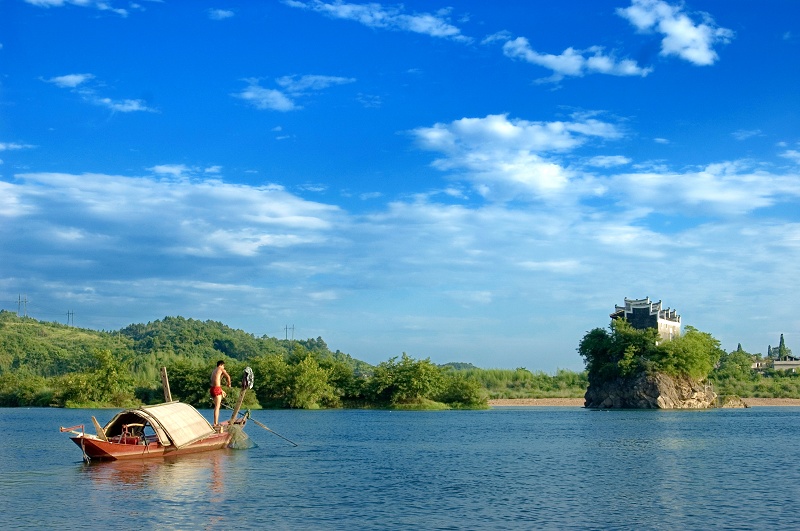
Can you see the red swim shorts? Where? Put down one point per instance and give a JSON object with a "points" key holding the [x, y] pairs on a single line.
{"points": [[216, 390]]}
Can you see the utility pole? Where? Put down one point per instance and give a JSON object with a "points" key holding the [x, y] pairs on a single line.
{"points": [[70, 317], [22, 304], [286, 330]]}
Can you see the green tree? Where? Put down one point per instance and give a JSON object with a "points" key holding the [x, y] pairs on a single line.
{"points": [[626, 351], [406, 381], [272, 380], [459, 391], [621, 351], [309, 387], [783, 352], [692, 354], [734, 366]]}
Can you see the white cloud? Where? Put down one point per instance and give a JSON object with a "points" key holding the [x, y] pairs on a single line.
{"points": [[744, 134], [123, 105], [97, 4], [13, 146], [792, 154], [79, 84], [220, 14], [182, 217], [313, 83], [70, 80], [175, 170], [506, 158], [293, 87], [567, 267], [724, 189], [683, 37], [370, 195], [375, 15], [608, 161], [573, 62], [266, 99]]}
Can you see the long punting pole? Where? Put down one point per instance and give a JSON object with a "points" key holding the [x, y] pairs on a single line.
{"points": [[238, 404]]}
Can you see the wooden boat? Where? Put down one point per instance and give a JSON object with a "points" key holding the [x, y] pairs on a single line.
{"points": [[168, 429]]}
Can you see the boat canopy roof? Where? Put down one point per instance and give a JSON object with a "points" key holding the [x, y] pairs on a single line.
{"points": [[175, 423]]}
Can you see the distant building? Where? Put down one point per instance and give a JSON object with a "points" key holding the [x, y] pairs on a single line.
{"points": [[643, 314], [791, 364]]}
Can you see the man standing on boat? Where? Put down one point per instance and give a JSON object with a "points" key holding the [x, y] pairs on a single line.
{"points": [[217, 394]]}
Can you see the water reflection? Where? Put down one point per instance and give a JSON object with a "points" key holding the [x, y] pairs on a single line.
{"points": [[166, 475], [190, 489]]}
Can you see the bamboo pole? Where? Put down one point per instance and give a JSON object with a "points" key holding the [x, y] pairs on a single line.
{"points": [[165, 383], [238, 404]]}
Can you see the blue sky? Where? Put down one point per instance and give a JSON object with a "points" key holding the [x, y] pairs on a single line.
{"points": [[466, 181]]}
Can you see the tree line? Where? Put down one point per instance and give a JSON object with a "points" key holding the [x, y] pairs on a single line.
{"points": [[51, 364]]}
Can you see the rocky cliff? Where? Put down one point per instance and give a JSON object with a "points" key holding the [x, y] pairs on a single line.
{"points": [[650, 391]]}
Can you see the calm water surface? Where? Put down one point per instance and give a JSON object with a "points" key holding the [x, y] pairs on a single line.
{"points": [[509, 468]]}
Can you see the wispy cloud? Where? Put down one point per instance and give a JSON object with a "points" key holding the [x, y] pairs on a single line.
{"points": [[14, 146], [265, 98], [292, 87], [375, 15], [220, 14], [101, 5], [571, 62], [792, 154], [71, 80], [723, 189], [608, 161], [206, 217], [744, 134], [683, 37], [82, 85], [298, 85]]}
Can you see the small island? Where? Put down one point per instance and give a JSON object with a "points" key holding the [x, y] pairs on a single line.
{"points": [[644, 362]]}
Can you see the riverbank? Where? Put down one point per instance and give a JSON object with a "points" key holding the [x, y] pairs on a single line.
{"points": [[578, 402]]}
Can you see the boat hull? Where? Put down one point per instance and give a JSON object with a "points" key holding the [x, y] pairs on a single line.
{"points": [[100, 450]]}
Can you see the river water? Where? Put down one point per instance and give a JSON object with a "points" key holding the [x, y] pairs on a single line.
{"points": [[505, 468]]}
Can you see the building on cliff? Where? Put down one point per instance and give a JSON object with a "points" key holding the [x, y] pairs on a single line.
{"points": [[642, 314]]}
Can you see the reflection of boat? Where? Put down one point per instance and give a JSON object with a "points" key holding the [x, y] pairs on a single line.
{"points": [[163, 430], [168, 429]]}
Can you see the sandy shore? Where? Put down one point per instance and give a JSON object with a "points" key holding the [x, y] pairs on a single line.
{"points": [[578, 402], [572, 402]]}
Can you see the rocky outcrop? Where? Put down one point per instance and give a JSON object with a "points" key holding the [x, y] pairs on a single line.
{"points": [[650, 391], [732, 401]]}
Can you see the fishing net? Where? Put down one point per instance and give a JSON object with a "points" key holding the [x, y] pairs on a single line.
{"points": [[239, 439]]}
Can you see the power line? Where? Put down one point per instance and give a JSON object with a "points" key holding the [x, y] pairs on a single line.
{"points": [[22, 304]]}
